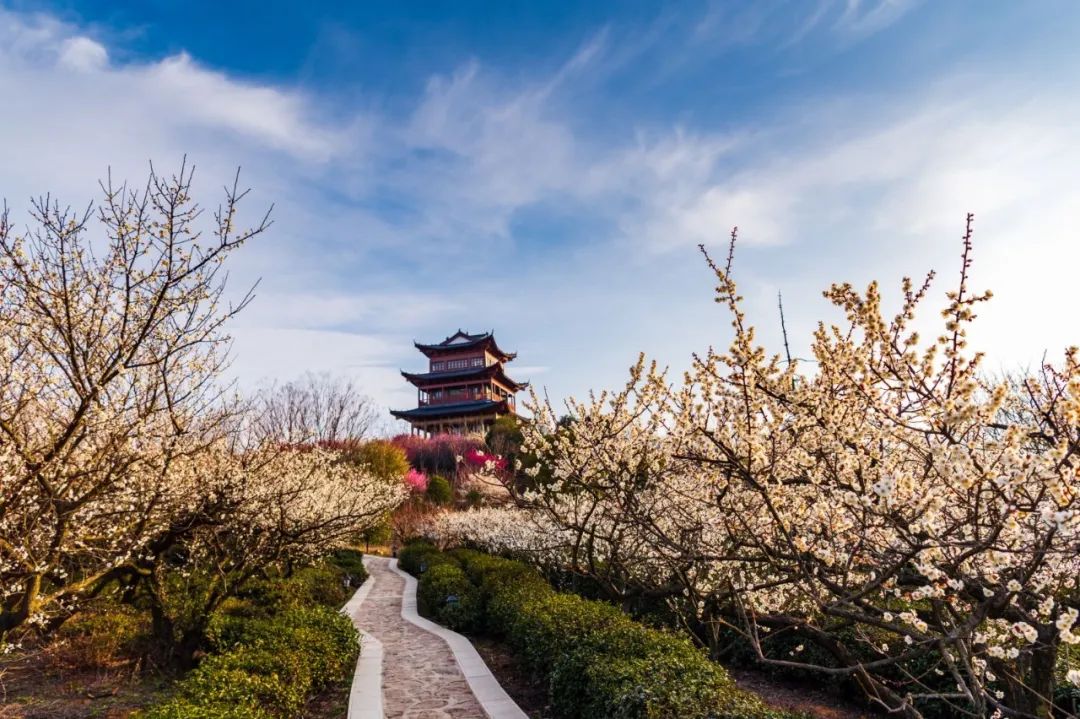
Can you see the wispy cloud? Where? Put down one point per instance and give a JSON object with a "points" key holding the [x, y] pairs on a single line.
{"points": [[862, 18], [490, 199]]}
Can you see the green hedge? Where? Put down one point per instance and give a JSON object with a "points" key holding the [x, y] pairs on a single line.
{"points": [[274, 645], [351, 562], [415, 557], [448, 595], [599, 663]]}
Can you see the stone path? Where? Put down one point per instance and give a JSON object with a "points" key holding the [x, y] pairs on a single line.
{"points": [[421, 679]]}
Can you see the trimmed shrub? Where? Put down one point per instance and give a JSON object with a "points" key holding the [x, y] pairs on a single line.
{"points": [[1067, 700], [504, 585], [414, 556], [252, 676], [600, 664], [321, 584], [624, 669], [447, 594], [276, 644], [544, 629], [183, 708], [351, 562]]}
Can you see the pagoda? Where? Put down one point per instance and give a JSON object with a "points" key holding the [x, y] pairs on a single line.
{"points": [[465, 388]]}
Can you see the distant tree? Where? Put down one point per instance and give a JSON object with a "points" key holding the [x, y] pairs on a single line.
{"points": [[504, 438], [316, 407]]}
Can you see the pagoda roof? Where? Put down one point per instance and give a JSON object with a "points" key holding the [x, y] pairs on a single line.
{"points": [[421, 379], [454, 409], [462, 340]]}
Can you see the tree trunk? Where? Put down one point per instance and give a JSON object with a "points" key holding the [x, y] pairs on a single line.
{"points": [[1040, 678]]}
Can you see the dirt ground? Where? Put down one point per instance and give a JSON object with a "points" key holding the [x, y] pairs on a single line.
{"points": [[530, 694], [802, 697], [40, 684]]}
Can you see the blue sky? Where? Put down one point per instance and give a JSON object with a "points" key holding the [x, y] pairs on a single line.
{"points": [[548, 169]]}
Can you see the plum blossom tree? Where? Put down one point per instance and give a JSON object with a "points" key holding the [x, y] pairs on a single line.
{"points": [[899, 494], [254, 508], [915, 521], [118, 442], [110, 348]]}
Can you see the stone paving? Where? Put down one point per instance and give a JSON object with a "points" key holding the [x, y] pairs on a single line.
{"points": [[421, 679]]}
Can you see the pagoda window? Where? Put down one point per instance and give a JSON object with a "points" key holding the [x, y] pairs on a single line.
{"points": [[438, 366], [464, 363]]}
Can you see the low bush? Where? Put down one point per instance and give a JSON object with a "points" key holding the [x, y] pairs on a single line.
{"points": [[448, 595], [439, 490], [624, 669], [324, 584], [1067, 700], [351, 562], [103, 635], [416, 557], [274, 645], [599, 663]]}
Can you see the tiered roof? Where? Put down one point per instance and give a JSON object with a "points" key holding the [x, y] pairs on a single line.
{"points": [[456, 409], [463, 345], [427, 379], [464, 341]]}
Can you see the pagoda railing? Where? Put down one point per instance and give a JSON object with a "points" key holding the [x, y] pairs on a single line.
{"points": [[425, 401]]}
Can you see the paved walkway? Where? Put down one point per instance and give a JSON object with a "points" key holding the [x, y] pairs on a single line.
{"points": [[421, 677]]}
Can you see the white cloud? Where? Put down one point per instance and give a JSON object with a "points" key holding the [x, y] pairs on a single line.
{"points": [[372, 360], [861, 18], [80, 115], [83, 54], [848, 188], [268, 115], [495, 151], [73, 101], [858, 199]]}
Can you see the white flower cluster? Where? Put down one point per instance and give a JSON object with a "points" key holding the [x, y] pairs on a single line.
{"points": [[894, 489], [117, 441]]}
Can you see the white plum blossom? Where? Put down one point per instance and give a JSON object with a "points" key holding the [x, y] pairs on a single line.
{"points": [[892, 488], [118, 439]]}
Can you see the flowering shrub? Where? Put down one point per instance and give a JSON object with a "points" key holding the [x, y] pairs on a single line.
{"points": [[479, 459], [447, 595], [438, 455], [416, 481], [507, 531], [916, 521]]}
